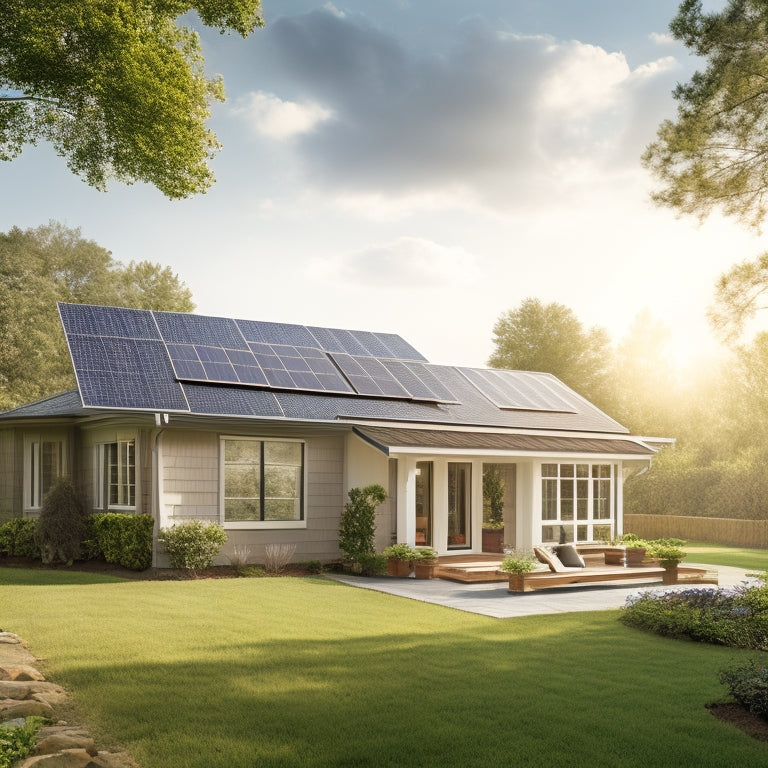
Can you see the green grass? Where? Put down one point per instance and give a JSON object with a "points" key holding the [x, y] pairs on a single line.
{"points": [[716, 554], [306, 673]]}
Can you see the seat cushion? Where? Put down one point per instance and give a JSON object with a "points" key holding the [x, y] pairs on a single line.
{"points": [[569, 556], [550, 558]]}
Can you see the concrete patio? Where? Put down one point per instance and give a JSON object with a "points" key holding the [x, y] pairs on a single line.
{"points": [[493, 599]]}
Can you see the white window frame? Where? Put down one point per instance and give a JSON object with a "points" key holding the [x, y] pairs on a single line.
{"points": [[33, 468], [262, 524], [102, 481], [590, 521]]}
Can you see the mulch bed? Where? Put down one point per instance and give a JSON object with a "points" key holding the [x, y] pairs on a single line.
{"points": [[150, 574], [733, 713]]}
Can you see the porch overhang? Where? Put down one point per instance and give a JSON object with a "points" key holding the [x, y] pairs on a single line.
{"points": [[396, 440]]}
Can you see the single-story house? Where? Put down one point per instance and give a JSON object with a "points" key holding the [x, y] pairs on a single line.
{"points": [[264, 427]]}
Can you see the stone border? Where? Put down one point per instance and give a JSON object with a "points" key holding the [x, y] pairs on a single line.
{"points": [[24, 692]]}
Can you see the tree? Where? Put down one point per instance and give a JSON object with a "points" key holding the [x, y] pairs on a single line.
{"points": [[39, 267], [117, 86], [738, 296], [550, 338], [716, 153]]}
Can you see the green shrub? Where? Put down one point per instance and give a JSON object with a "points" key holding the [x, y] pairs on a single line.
{"points": [[357, 527], [123, 539], [194, 544], [16, 743], [315, 566], [748, 684], [372, 565], [737, 617], [62, 524], [400, 552], [17, 538]]}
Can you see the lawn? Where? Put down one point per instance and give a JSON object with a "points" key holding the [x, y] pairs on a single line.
{"points": [[716, 554], [300, 672]]}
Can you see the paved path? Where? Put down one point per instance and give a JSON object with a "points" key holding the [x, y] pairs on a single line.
{"points": [[494, 600]]}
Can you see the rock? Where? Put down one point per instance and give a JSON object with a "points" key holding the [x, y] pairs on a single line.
{"points": [[23, 689], [20, 672], [60, 742], [72, 758], [11, 708], [18, 722], [9, 637]]}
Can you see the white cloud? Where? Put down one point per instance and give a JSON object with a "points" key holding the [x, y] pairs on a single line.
{"points": [[494, 119], [407, 262], [662, 38], [270, 116]]}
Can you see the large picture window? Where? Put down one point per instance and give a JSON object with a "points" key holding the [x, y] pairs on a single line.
{"points": [[263, 481], [117, 475], [576, 502], [43, 465]]}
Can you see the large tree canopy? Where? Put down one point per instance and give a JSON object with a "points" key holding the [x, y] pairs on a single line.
{"points": [[715, 154], [39, 267], [116, 86], [550, 338]]}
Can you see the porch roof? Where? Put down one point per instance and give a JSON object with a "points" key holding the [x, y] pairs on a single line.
{"points": [[392, 439]]}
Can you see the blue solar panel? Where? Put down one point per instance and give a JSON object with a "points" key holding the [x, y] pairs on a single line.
{"points": [[276, 333], [302, 368], [428, 376], [399, 348], [178, 328], [125, 373], [86, 319], [369, 377]]}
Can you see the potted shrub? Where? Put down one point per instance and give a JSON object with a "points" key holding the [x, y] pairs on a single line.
{"points": [[631, 550], [517, 563], [399, 559], [424, 565], [669, 555]]}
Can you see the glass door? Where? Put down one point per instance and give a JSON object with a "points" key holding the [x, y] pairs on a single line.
{"points": [[424, 504], [459, 505]]}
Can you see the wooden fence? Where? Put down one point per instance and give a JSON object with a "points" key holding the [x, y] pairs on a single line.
{"points": [[716, 530]]}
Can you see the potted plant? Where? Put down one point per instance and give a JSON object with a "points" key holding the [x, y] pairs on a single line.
{"points": [[669, 555], [631, 550], [424, 565], [517, 563], [399, 559]]}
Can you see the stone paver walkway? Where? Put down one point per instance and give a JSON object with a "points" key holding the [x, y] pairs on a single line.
{"points": [[494, 600]]}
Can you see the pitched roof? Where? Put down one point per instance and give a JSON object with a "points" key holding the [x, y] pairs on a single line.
{"points": [[64, 404], [141, 360]]}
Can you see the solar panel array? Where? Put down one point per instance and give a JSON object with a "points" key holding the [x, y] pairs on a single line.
{"points": [[215, 350], [129, 358]]}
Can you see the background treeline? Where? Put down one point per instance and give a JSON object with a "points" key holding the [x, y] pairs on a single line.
{"points": [[717, 412]]}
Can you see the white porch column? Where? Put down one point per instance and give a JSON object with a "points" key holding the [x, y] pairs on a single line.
{"points": [[619, 480], [406, 500]]}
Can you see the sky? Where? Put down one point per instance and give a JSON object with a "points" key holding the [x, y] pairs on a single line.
{"points": [[422, 167]]}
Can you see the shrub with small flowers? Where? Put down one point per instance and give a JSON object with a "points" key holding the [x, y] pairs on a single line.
{"points": [[735, 617]]}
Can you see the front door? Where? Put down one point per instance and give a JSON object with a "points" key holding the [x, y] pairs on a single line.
{"points": [[459, 505]]}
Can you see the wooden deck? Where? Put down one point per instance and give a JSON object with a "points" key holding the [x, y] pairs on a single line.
{"points": [[485, 568]]}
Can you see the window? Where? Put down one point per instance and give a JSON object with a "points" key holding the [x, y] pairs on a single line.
{"points": [[576, 502], [43, 465], [117, 475], [263, 481]]}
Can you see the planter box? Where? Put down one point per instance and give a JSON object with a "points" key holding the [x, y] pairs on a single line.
{"points": [[493, 540], [670, 575], [424, 571], [517, 583], [624, 555], [401, 568]]}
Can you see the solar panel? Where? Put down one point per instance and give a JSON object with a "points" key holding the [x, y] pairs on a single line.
{"points": [[276, 333], [178, 328], [419, 381], [84, 319], [518, 390], [399, 348], [369, 376], [117, 372]]}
